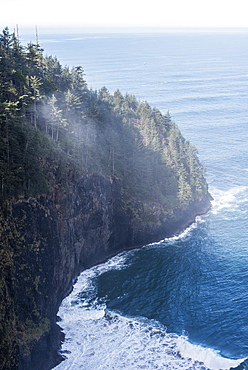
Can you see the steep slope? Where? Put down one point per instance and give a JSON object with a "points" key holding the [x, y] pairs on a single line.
{"points": [[83, 175]]}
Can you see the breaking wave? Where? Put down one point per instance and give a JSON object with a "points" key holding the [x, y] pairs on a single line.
{"points": [[99, 338], [229, 200]]}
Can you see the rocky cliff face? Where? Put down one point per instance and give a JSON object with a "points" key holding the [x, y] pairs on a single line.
{"points": [[51, 239], [54, 128]]}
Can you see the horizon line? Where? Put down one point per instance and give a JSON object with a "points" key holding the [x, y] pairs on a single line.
{"points": [[123, 29]]}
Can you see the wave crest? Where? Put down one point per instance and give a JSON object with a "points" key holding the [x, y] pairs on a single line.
{"points": [[228, 199], [97, 338]]}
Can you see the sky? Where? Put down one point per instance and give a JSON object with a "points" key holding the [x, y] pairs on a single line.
{"points": [[82, 14]]}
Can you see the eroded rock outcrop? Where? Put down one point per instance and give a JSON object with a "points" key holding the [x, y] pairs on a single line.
{"points": [[51, 239]]}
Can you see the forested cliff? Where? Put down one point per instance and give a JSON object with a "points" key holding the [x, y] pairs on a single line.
{"points": [[84, 174]]}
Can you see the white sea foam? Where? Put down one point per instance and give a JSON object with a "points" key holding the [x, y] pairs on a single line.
{"points": [[96, 338], [185, 233], [182, 235], [116, 342], [228, 199], [211, 359]]}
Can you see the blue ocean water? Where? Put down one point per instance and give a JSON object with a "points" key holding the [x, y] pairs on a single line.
{"points": [[181, 303]]}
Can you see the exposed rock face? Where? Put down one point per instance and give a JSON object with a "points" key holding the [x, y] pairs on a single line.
{"points": [[54, 238]]}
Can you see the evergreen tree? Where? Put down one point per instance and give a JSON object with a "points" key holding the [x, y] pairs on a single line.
{"points": [[113, 134]]}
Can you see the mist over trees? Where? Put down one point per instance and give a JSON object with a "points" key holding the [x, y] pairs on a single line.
{"points": [[50, 119], [55, 132]]}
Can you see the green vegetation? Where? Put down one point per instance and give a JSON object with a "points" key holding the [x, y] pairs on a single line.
{"points": [[30, 332], [54, 129], [50, 118]]}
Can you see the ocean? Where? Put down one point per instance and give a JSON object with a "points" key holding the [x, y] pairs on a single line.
{"points": [[181, 303]]}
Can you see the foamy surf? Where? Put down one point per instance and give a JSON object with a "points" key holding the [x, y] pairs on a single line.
{"points": [[98, 338], [184, 234], [116, 342], [210, 358], [228, 199]]}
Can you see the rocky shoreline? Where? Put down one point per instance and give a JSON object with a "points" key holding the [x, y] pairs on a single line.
{"points": [[77, 230]]}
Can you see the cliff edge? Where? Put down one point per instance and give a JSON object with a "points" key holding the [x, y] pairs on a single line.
{"points": [[51, 239], [83, 175]]}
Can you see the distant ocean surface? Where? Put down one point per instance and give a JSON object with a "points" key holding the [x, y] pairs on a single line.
{"points": [[181, 303]]}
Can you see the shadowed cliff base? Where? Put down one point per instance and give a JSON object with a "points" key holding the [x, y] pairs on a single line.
{"points": [[89, 224], [83, 175]]}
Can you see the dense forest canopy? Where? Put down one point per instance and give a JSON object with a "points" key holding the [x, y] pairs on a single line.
{"points": [[55, 132], [49, 115]]}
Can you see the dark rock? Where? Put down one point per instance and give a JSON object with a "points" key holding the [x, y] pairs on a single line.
{"points": [[58, 236]]}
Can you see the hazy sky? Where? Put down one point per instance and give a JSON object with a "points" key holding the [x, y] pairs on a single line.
{"points": [[125, 13]]}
